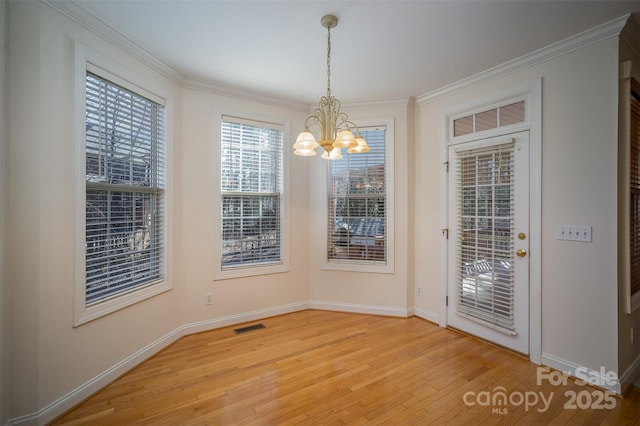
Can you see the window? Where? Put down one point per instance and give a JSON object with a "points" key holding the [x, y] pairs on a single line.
{"points": [[358, 204], [251, 192], [122, 248]]}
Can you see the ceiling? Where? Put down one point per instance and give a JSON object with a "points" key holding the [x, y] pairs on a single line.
{"points": [[380, 49]]}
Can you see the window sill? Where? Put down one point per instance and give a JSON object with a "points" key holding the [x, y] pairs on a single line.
{"points": [[372, 267], [85, 314], [249, 271]]}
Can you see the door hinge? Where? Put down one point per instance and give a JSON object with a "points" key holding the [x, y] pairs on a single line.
{"points": [[445, 232], [446, 164], [446, 301]]}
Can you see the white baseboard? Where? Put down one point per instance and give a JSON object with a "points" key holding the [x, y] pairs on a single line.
{"points": [[361, 309], [630, 374], [429, 316], [212, 324], [79, 394], [572, 368]]}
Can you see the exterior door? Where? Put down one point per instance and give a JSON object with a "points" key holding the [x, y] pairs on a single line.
{"points": [[488, 260]]}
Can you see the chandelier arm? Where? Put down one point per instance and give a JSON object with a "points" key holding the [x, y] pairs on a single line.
{"points": [[313, 117], [352, 126], [344, 121], [327, 126], [337, 105]]}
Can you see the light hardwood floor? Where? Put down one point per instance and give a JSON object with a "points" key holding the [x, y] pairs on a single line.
{"points": [[330, 368]]}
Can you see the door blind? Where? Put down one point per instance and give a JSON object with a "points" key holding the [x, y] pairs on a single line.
{"points": [[485, 274]]}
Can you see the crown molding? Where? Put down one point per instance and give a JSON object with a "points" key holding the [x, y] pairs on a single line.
{"points": [[238, 93], [242, 94], [631, 35], [74, 11], [580, 40], [402, 101]]}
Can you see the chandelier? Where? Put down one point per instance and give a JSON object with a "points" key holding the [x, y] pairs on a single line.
{"points": [[336, 130]]}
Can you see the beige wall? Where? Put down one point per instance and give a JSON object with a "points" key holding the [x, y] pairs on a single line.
{"points": [[4, 384], [579, 162], [22, 295]]}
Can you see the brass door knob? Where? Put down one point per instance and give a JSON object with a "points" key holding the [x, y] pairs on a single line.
{"points": [[521, 253]]}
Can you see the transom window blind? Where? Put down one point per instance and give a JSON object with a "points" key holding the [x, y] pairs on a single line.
{"points": [[485, 186], [489, 119], [124, 217], [634, 189], [357, 203], [251, 187]]}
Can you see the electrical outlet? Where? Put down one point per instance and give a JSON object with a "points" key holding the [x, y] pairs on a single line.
{"points": [[208, 299], [419, 291]]}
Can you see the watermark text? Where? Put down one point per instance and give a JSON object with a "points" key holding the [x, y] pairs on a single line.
{"points": [[500, 400]]}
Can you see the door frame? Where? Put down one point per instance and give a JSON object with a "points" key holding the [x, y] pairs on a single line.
{"points": [[531, 93]]}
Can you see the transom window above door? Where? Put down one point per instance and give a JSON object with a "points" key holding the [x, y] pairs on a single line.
{"points": [[492, 118]]}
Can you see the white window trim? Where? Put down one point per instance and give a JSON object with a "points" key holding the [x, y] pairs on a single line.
{"points": [[86, 58], [249, 270], [370, 266]]}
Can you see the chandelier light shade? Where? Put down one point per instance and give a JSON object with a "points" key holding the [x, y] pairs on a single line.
{"points": [[336, 130]]}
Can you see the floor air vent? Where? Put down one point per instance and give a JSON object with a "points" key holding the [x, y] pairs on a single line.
{"points": [[248, 328]]}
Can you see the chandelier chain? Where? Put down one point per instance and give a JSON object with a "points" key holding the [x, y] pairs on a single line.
{"points": [[328, 60]]}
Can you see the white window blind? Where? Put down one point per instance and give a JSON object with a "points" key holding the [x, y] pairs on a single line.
{"points": [[251, 191], [124, 216], [357, 203], [485, 274]]}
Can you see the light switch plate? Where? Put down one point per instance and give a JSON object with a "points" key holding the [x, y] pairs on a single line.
{"points": [[574, 233]]}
